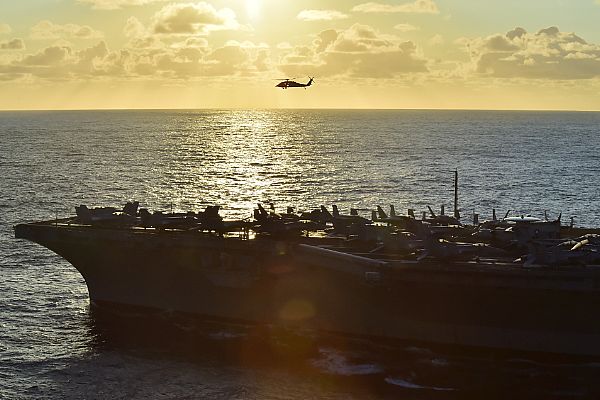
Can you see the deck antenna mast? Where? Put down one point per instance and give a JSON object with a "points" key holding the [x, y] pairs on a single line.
{"points": [[456, 213]]}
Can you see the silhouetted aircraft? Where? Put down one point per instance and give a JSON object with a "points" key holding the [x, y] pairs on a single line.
{"points": [[441, 219], [342, 223], [393, 219], [287, 83], [289, 223]]}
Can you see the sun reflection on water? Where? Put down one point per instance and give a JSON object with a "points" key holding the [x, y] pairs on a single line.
{"points": [[233, 158], [305, 158], [236, 158]]}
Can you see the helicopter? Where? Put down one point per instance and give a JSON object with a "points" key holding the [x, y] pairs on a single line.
{"points": [[288, 82]]}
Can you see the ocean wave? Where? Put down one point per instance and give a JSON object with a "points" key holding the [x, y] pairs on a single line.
{"points": [[335, 362]]}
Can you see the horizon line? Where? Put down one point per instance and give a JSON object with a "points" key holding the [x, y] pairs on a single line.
{"points": [[296, 108]]}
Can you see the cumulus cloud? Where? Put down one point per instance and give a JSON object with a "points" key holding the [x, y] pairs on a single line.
{"points": [[5, 28], [134, 28], [262, 62], [546, 54], [13, 44], [116, 4], [49, 30], [228, 55], [436, 40], [49, 56], [325, 39], [139, 36], [161, 50], [359, 51], [320, 15], [418, 6], [171, 47], [227, 60], [58, 63], [191, 43], [193, 18], [188, 59]]}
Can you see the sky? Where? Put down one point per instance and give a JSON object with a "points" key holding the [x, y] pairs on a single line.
{"points": [[388, 54]]}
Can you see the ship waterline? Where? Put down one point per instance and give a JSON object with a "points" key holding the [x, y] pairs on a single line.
{"points": [[298, 285]]}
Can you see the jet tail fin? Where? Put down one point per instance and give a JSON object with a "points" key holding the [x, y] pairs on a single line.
{"points": [[262, 210], [336, 212], [326, 212], [431, 212]]}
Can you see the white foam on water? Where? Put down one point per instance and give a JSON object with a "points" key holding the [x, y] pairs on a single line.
{"points": [[439, 362], [334, 362], [225, 335], [411, 385]]}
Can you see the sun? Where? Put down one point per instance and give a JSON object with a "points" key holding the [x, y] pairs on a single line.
{"points": [[253, 8]]}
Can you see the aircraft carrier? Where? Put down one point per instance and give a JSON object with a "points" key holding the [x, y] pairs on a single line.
{"points": [[525, 287]]}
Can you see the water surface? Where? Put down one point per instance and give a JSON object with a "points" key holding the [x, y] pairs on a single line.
{"points": [[52, 347]]}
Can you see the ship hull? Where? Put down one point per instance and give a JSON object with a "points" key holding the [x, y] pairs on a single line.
{"points": [[273, 282]]}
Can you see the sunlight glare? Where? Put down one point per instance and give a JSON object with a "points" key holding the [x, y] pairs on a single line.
{"points": [[253, 8]]}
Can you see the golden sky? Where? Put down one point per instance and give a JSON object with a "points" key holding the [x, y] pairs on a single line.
{"points": [[452, 54]]}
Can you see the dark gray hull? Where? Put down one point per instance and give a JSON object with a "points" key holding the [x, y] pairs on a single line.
{"points": [[271, 282]]}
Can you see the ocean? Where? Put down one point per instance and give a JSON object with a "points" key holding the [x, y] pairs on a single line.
{"points": [[52, 346]]}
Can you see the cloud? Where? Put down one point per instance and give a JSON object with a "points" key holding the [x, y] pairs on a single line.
{"points": [[13, 44], [58, 63], [325, 39], [359, 51], [173, 47], [418, 6], [284, 46], [191, 42], [247, 44], [547, 54], [90, 61], [405, 27], [53, 55], [116, 4], [360, 38], [139, 36], [189, 59], [5, 28], [436, 40], [262, 62], [48, 30], [320, 15], [193, 18], [229, 55], [228, 60], [134, 28]]}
